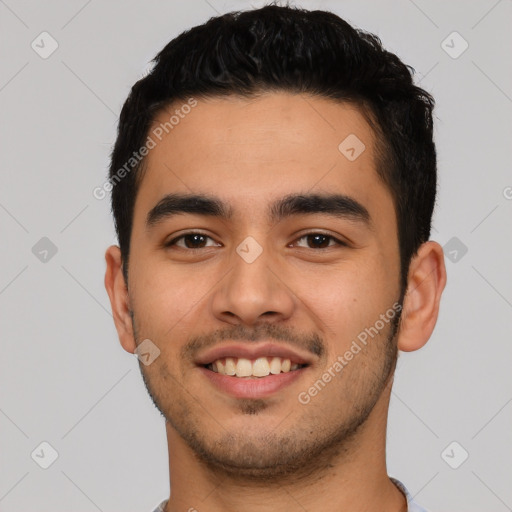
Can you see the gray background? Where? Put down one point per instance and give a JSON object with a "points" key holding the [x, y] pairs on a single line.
{"points": [[64, 378]]}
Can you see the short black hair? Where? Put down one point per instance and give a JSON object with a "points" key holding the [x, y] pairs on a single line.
{"points": [[289, 49]]}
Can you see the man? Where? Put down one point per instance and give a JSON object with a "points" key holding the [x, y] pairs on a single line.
{"points": [[273, 183]]}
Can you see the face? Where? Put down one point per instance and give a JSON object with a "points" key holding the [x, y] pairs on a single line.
{"points": [[289, 251]]}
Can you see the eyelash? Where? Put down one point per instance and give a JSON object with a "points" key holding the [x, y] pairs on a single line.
{"points": [[312, 233]]}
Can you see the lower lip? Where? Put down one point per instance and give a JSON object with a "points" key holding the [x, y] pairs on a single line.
{"points": [[258, 387]]}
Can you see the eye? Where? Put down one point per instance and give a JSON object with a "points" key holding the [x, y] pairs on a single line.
{"points": [[196, 240], [192, 240], [320, 240]]}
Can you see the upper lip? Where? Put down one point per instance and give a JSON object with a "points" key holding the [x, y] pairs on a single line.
{"points": [[251, 352]]}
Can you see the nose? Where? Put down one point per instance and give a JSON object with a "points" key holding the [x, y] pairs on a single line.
{"points": [[253, 291]]}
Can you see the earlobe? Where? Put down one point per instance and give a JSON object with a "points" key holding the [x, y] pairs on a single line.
{"points": [[119, 299], [426, 282]]}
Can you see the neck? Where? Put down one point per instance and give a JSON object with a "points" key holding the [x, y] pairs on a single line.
{"points": [[355, 478]]}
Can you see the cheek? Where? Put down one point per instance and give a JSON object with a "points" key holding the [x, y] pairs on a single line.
{"points": [[345, 302], [162, 298]]}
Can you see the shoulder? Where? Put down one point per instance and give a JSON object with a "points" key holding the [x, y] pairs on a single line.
{"points": [[412, 506], [161, 507]]}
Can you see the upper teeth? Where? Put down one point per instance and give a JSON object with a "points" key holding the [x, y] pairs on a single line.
{"points": [[260, 367]]}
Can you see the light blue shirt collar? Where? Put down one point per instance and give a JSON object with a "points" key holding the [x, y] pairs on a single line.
{"points": [[412, 506]]}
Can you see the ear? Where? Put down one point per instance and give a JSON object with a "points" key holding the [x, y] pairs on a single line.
{"points": [[119, 299], [425, 284]]}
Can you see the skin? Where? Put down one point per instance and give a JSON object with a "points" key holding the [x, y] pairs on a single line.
{"points": [[229, 454]]}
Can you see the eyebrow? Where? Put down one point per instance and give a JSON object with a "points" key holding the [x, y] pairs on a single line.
{"points": [[334, 205]]}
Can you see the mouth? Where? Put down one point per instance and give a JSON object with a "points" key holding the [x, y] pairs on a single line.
{"points": [[253, 376], [261, 367], [255, 371]]}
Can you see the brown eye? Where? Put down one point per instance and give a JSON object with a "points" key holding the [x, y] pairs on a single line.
{"points": [[320, 241], [190, 241]]}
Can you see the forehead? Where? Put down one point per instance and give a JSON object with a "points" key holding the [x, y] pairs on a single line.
{"points": [[250, 151]]}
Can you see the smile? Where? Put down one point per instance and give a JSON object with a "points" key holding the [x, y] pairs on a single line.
{"points": [[256, 368]]}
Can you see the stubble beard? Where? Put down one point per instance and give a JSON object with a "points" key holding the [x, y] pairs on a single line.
{"points": [[309, 448]]}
